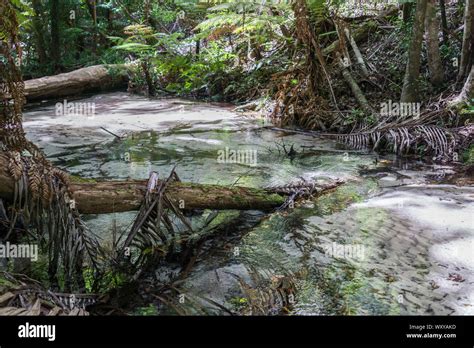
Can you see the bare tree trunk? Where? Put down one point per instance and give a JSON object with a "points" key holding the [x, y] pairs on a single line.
{"points": [[94, 11], [362, 33], [146, 11], [444, 21], [37, 26], [55, 39], [359, 34], [468, 90], [148, 78], [357, 53], [109, 16], [92, 8], [468, 41], [406, 11], [410, 82], [358, 94], [467, 93], [92, 78], [434, 57], [198, 47]]}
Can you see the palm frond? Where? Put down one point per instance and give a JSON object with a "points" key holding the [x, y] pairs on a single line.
{"points": [[442, 143]]}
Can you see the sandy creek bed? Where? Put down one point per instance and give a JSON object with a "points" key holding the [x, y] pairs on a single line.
{"points": [[413, 241]]}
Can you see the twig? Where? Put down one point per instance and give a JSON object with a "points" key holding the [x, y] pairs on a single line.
{"points": [[115, 135]]}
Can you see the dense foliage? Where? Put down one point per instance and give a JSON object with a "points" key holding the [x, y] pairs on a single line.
{"points": [[325, 64]]}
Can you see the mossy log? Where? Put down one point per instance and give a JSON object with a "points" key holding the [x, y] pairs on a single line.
{"points": [[101, 197], [119, 196]]}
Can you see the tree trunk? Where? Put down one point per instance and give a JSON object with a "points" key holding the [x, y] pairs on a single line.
{"points": [[434, 56], [410, 82], [90, 8], [37, 27], [468, 89], [467, 93], [109, 16], [95, 34], [407, 10], [356, 91], [444, 21], [357, 53], [467, 42], [146, 12], [362, 32], [358, 34], [120, 196], [103, 197], [148, 78], [55, 38], [198, 47], [92, 78]]}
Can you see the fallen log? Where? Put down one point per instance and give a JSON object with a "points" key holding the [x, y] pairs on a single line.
{"points": [[358, 55], [362, 32], [356, 91], [359, 35], [101, 197], [90, 79], [120, 196]]}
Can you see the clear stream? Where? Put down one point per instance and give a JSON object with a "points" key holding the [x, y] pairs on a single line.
{"points": [[401, 243]]}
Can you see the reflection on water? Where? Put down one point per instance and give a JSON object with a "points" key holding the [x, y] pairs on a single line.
{"points": [[388, 242]]}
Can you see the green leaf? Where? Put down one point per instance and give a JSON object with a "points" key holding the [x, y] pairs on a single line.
{"points": [[134, 47]]}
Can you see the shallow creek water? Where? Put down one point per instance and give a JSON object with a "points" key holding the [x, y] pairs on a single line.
{"points": [[407, 243]]}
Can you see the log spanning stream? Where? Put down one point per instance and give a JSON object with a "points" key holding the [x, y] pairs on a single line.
{"points": [[389, 241]]}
